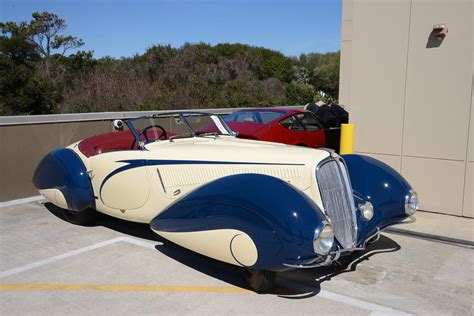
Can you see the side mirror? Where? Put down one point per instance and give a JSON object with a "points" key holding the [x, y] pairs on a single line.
{"points": [[118, 125]]}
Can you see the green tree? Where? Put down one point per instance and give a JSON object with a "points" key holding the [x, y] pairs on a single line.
{"points": [[20, 93], [44, 32], [299, 93], [323, 71], [32, 75]]}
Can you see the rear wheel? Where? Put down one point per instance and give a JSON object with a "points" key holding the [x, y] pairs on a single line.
{"points": [[84, 218], [260, 280]]}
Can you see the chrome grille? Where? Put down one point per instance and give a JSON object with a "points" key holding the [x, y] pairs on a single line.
{"points": [[338, 202]]}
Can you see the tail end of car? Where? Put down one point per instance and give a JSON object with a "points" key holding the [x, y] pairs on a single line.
{"points": [[62, 179]]}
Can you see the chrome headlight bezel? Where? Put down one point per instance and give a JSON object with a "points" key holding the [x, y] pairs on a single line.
{"points": [[411, 203], [323, 240], [366, 211]]}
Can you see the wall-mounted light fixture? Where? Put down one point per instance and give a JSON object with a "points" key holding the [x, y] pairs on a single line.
{"points": [[439, 31]]}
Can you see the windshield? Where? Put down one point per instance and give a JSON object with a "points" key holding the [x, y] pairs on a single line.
{"points": [[259, 117], [174, 125]]}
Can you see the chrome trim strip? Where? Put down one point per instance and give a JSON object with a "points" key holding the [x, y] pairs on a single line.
{"points": [[161, 180], [334, 255], [327, 261]]}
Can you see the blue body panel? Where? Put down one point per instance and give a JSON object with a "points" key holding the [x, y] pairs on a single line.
{"points": [[374, 181], [62, 169], [279, 219]]}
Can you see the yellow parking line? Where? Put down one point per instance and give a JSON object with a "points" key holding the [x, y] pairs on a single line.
{"points": [[120, 288]]}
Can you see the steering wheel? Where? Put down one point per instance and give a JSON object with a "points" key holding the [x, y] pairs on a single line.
{"points": [[145, 130], [163, 135]]}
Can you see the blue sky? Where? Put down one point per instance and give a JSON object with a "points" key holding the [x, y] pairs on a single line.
{"points": [[124, 27]]}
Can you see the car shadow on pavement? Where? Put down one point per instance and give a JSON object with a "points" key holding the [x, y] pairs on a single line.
{"points": [[129, 228], [308, 281], [296, 284]]}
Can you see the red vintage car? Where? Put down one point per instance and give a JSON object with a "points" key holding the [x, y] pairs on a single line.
{"points": [[288, 126]]}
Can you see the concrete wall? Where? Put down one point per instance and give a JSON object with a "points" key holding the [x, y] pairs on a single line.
{"points": [[411, 97], [23, 146]]}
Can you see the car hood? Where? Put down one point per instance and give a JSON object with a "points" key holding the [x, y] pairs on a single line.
{"points": [[231, 149]]}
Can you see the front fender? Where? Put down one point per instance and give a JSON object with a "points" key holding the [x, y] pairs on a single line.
{"points": [[387, 190], [280, 220]]}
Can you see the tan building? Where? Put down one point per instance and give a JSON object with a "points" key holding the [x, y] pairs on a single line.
{"points": [[409, 93]]}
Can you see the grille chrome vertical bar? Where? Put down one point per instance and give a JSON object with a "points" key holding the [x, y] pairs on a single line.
{"points": [[337, 198]]}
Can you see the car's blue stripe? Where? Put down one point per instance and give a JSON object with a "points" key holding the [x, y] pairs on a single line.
{"points": [[137, 163]]}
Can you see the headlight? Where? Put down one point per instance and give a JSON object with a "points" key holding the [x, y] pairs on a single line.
{"points": [[411, 203], [367, 211], [323, 240]]}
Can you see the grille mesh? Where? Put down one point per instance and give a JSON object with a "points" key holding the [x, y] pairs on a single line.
{"points": [[336, 194]]}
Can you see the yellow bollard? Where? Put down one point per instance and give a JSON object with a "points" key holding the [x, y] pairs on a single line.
{"points": [[347, 139]]}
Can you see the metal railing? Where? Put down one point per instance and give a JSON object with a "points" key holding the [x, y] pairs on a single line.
{"points": [[102, 116]]}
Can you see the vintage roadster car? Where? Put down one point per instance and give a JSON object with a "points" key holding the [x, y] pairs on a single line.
{"points": [[264, 206]]}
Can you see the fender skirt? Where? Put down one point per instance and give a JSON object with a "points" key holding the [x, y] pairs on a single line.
{"points": [[279, 220]]}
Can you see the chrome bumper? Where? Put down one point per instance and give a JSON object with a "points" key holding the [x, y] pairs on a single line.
{"points": [[334, 255]]}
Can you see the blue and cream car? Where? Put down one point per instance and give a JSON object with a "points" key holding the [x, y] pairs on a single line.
{"points": [[264, 206]]}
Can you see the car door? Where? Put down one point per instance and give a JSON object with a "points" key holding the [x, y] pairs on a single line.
{"points": [[290, 131], [314, 135], [120, 179]]}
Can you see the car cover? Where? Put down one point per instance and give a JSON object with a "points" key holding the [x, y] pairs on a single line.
{"points": [[330, 115]]}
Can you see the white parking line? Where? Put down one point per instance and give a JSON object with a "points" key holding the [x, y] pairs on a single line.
{"points": [[375, 309], [75, 253], [21, 201]]}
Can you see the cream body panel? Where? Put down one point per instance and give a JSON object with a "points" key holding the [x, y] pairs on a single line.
{"points": [[126, 190], [227, 245], [124, 195], [176, 180], [54, 196]]}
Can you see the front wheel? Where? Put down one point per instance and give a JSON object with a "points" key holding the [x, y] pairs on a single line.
{"points": [[84, 218], [260, 280]]}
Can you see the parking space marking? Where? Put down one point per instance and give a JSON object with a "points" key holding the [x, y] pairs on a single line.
{"points": [[78, 252], [374, 308], [21, 201], [121, 288]]}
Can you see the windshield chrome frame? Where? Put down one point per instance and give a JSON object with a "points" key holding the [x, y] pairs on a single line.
{"points": [[182, 117]]}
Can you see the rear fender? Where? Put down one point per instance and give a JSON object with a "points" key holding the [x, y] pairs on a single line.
{"points": [[63, 170]]}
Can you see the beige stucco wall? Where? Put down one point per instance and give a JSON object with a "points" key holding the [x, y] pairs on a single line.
{"points": [[411, 100]]}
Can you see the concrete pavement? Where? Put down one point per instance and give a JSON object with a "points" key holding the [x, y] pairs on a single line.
{"points": [[49, 266]]}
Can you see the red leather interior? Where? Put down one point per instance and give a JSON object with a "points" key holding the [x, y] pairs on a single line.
{"points": [[107, 142]]}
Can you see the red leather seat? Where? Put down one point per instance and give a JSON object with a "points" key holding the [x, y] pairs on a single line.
{"points": [[107, 142]]}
